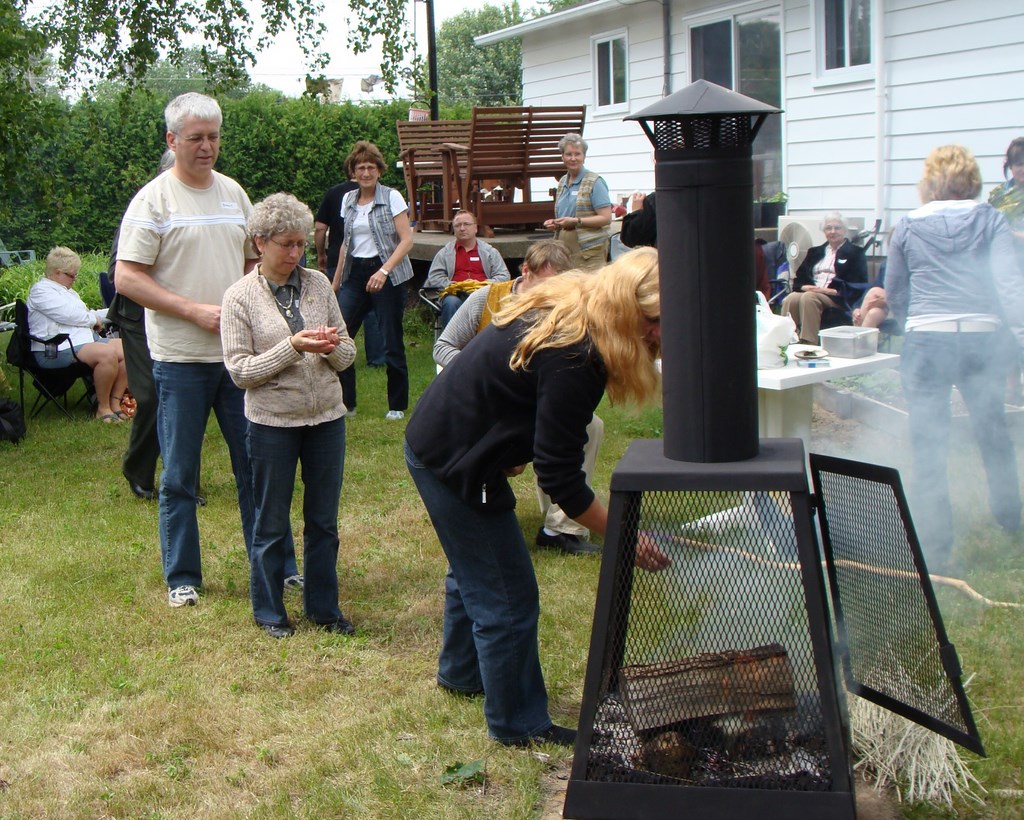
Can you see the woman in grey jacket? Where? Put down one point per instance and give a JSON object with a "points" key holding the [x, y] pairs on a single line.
{"points": [[952, 279], [285, 343]]}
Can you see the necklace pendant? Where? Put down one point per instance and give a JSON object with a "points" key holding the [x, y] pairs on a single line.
{"points": [[288, 313]]}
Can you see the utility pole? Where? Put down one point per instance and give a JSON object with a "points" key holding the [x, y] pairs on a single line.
{"points": [[432, 60]]}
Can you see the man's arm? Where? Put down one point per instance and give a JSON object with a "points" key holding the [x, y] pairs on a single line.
{"points": [[439, 275], [497, 269], [135, 281], [320, 240]]}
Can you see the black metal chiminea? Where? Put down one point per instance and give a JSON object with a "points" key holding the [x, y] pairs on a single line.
{"points": [[703, 138], [711, 689]]}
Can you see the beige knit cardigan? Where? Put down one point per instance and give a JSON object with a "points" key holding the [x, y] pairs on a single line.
{"points": [[283, 387]]}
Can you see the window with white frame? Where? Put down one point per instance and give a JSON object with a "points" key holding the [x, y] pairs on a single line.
{"points": [[844, 33], [611, 71], [743, 51]]}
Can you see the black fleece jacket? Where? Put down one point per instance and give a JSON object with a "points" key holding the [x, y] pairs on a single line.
{"points": [[479, 418]]}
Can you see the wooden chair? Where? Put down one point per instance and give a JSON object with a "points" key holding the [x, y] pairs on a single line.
{"points": [[427, 165], [508, 148]]}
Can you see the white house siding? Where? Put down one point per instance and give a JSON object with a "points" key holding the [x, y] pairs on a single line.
{"points": [[557, 70], [955, 74], [953, 71]]}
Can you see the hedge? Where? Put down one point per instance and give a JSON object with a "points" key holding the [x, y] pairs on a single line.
{"points": [[77, 177]]}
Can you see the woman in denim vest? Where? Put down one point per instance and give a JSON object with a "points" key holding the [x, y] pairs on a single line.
{"points": [[373, 269], [583, 208]]}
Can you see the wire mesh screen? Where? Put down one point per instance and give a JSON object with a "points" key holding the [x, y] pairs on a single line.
{"points": [[713, 681], [702, 132], [896, 650]]}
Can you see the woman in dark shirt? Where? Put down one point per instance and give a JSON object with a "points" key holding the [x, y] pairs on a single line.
{"points": [[524, 390]]}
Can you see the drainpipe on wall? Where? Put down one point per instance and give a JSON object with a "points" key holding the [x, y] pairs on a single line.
{"points": [[881, 99], [666, 39]]}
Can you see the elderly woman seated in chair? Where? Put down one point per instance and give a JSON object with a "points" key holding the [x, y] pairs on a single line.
{"points": [[832, 277], [54, 309]]}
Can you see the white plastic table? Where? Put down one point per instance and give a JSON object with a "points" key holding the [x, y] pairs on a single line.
{"points": [[785, 395]]}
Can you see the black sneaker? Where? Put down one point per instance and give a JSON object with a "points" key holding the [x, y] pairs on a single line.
{"points": [[462, 693], [558, 735], [566, 542], [276, 631], [342, 626]]}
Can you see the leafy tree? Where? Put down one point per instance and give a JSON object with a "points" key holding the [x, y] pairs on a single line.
{"points": [[480, 75], [99, 38], [551, 6], [22, 49]]}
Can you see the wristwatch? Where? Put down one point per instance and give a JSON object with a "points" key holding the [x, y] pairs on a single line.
{"points": [[386, 272]]}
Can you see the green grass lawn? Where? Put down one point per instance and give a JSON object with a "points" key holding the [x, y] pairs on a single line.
{"points": [[113, 704]]}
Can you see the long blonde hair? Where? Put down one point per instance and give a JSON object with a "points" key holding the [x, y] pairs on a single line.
{"points": [[610, 307]]}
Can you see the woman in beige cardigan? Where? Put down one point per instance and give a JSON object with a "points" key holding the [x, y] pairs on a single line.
{"points": [[285, 343]]}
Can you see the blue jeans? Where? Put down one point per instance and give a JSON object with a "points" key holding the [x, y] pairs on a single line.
{"points": [[491, 609], [275, 452], [931, 363], [373, 339], [186, 392], [450, 306], [389, 305]]}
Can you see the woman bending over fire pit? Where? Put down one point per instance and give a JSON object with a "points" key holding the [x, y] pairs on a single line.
{"points": [[524, 390]]}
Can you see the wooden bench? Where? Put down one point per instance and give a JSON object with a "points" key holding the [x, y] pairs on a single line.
{"points": [[508, 148], [427, 166]]}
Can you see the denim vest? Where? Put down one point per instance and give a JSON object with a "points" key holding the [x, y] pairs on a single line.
{"points": [[382, 228], [587, 237]]}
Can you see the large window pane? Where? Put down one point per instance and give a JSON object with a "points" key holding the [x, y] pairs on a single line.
{"points": [[759, 66], [711, 53], [846, 32]]}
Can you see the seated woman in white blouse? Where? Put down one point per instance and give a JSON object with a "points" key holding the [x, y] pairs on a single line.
{"points": [[55, 308], [827, 279]]}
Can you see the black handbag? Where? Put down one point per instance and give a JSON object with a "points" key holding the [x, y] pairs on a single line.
{"points": [[12, 421]]}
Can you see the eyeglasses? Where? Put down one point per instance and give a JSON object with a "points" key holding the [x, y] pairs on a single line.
{"points": [[71, 276], [465, 225], [291, 246], [828, 228], [199, 139]]}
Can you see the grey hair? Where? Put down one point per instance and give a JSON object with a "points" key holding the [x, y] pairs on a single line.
{"points": [[280, 213], [166, 161], [195, 105], [572, 138], [833, 216]]}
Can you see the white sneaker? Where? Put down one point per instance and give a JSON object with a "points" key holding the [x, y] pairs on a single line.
{"points": [[394, 415], [182, 596], [294, 583]]}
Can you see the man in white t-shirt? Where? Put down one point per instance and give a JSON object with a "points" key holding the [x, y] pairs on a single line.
{"points": [[183, 242]]}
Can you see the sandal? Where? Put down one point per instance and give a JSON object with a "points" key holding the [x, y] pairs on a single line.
{"points": [[109, 418]]}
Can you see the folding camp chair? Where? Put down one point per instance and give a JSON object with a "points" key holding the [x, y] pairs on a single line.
{"points": [[52, 385]]}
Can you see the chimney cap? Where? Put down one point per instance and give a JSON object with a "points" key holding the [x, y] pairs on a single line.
{"points": [[701, 98]]}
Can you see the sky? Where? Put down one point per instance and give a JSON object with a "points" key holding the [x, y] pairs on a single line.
{"points": [[281, 66]]}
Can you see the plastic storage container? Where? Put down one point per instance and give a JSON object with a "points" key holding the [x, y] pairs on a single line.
{"points": [[850, 342]]}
